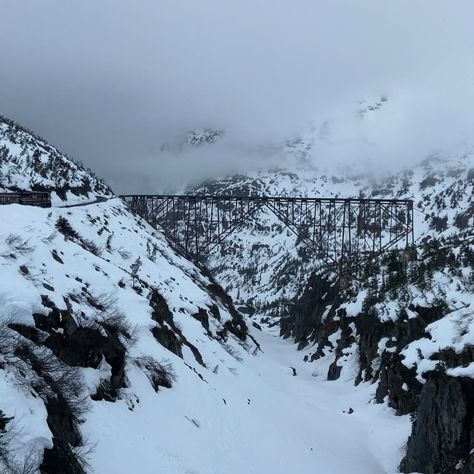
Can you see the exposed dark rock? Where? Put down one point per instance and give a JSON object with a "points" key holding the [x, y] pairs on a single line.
{"points": [[56, 257], [399, 333], [237, 324], [166, 332], [439, 224], [398, 383], [80, 346], [371, 330], [443, 433], [24, 270], [161, 311], [55, 320], [215, 312], [29, 332], [168, 339], [86, 347], [61, 458], [306, 316], [4, 420], [347, 339], [203, 318], [453, 359]]}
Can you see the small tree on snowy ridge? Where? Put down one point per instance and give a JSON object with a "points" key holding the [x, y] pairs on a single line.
{"points": [[134, 269]]}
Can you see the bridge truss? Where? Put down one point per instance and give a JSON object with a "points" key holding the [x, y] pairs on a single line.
{"points": [[340, 232]]}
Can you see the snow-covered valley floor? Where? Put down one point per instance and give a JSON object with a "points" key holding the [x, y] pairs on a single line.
{"points": [[254, 417]]}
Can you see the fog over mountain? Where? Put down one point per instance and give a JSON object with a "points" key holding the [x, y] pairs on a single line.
{"points": [[118, 84]]}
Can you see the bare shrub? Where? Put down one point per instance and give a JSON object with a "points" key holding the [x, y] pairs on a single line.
{"points": [[160, 374], [17, 246], [135, 269], [40, 372], [49, 377], [109, 317], [29, 464], [91, 247]]}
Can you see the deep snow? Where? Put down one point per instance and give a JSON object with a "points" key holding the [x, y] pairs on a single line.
{"points": [[254, 416], [250, 414]]}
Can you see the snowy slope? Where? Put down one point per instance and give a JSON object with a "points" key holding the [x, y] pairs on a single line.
{"points": [[264, 259], [354, 152], [42, 271], [239, 409], [27, 162]]}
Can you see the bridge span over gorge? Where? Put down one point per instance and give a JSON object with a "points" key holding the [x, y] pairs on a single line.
{"points": [[340, 232]]}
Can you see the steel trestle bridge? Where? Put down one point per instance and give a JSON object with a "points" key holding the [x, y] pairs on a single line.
{"points": [[340, 232]]}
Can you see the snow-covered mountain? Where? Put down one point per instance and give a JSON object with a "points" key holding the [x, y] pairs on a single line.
{"points": [[403, 327], [119, 355], [264, 266], [28, 162]]}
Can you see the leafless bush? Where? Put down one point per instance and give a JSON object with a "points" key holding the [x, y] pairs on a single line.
{"points": [[116, 323], [8, 342], [17, 246], [49, 377], [28, 464], [91, 247], [151, 250], [40, 372], [82, 454], [65, 227], [160, 374], [109, 317]]}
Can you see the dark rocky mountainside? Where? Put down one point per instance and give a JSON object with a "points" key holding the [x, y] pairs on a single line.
{"points": [[408, 329]]}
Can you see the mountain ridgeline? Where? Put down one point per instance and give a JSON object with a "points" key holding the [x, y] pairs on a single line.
{"points": [[28, 162], [117, 354]]}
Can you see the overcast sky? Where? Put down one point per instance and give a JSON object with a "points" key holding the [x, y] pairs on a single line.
{"points": [[110, 81]]}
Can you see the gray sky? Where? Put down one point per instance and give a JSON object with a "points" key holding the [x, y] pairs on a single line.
{"points": [[110, 81]]}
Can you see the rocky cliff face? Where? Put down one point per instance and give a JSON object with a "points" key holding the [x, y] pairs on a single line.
{"points": [[442, 436], [407, 329]]}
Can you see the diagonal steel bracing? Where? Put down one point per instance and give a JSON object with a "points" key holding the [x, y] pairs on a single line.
{"points": [[340, 232]]}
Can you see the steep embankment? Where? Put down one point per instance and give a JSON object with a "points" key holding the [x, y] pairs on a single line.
{"points": [[407, 329], [28, 162], [96, 309], [121, 355]]}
